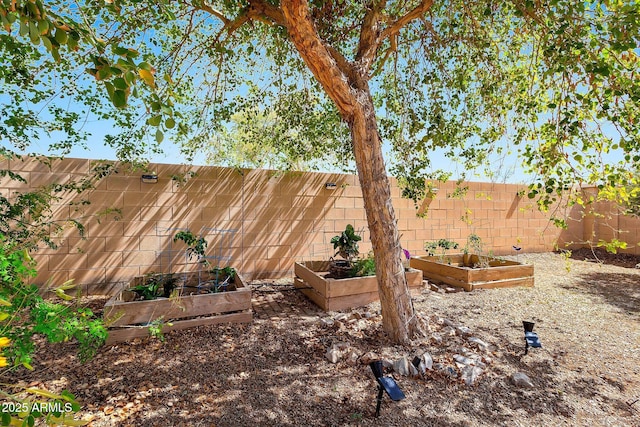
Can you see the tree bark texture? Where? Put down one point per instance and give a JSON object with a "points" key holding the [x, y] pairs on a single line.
{"points": [[348, 88]]}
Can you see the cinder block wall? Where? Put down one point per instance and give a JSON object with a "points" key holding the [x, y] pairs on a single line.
{"points": [[606, 221], [279, 218]]}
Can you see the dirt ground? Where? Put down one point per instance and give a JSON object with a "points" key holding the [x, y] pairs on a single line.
{"points": [[274, 371]]}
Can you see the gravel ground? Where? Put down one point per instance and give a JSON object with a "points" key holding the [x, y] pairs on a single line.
{"points": [[274, 371]]}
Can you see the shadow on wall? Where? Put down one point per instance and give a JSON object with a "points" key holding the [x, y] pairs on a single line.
{"points": [[278, 218], [269, 220]]}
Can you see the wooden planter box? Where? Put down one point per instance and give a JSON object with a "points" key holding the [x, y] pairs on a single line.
{"points": [[339, 294], [131, 318], [499, 274]]}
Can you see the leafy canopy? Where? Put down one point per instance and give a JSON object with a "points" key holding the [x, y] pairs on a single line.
{"points": [[555, 81]]}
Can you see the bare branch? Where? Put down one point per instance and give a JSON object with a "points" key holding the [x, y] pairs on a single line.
{"points": [[257, 10], [206, 7], [392, 48], [415, 13]]}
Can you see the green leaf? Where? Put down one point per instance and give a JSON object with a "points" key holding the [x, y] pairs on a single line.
{"points": [[61, 36], [43, 27], [34, 34], [6, 419], [104, 73], [119, 98], [110, 90], [122, 51], [120, 83], [24, 28], [47, 43], [170, 123], [155, 120], [130, 77], [159, 136]]}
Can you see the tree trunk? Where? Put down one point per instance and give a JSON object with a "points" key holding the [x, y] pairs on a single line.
{"points": [[398, 316], [346, 85]]}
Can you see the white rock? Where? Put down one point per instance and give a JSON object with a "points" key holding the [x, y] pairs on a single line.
{"points": [[342, 316], [342, 345], [333, 355], [449, 331], [449, 323], [470, 374], [362, 324], [483, 346], [413, 371], [401, 366], [352, 357], [464, 351], [437, 338], [327, 321], [427, 361], [463, 331], [520, 379], [462, 361]]}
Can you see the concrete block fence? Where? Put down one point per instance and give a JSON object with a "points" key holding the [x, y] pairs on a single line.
{"points": [[276, 219]]}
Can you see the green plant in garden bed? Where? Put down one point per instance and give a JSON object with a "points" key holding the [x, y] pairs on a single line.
{"points": [[224, 276], [364, 267], [440, 247], [346, 243], [156, 285], [196, 245]]}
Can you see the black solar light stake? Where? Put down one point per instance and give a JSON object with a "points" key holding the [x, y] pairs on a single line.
{"points": [[530, 338], [385, 384]]}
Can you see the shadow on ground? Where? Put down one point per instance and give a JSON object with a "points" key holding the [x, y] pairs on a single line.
{"points": [[621, 290]]}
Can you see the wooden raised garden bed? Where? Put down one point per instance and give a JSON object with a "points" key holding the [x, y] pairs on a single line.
{"points": [[130, 319], [499, 274], [339, 294]]}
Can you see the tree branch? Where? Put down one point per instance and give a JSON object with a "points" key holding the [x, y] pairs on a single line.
{"points": [[325, 63], [258, 10], [369, 37], [415, 13], [206, 7]]}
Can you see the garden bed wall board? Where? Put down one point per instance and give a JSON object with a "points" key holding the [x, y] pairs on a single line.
{"points": [[340, 294], [130, 319], [499, 274]]}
